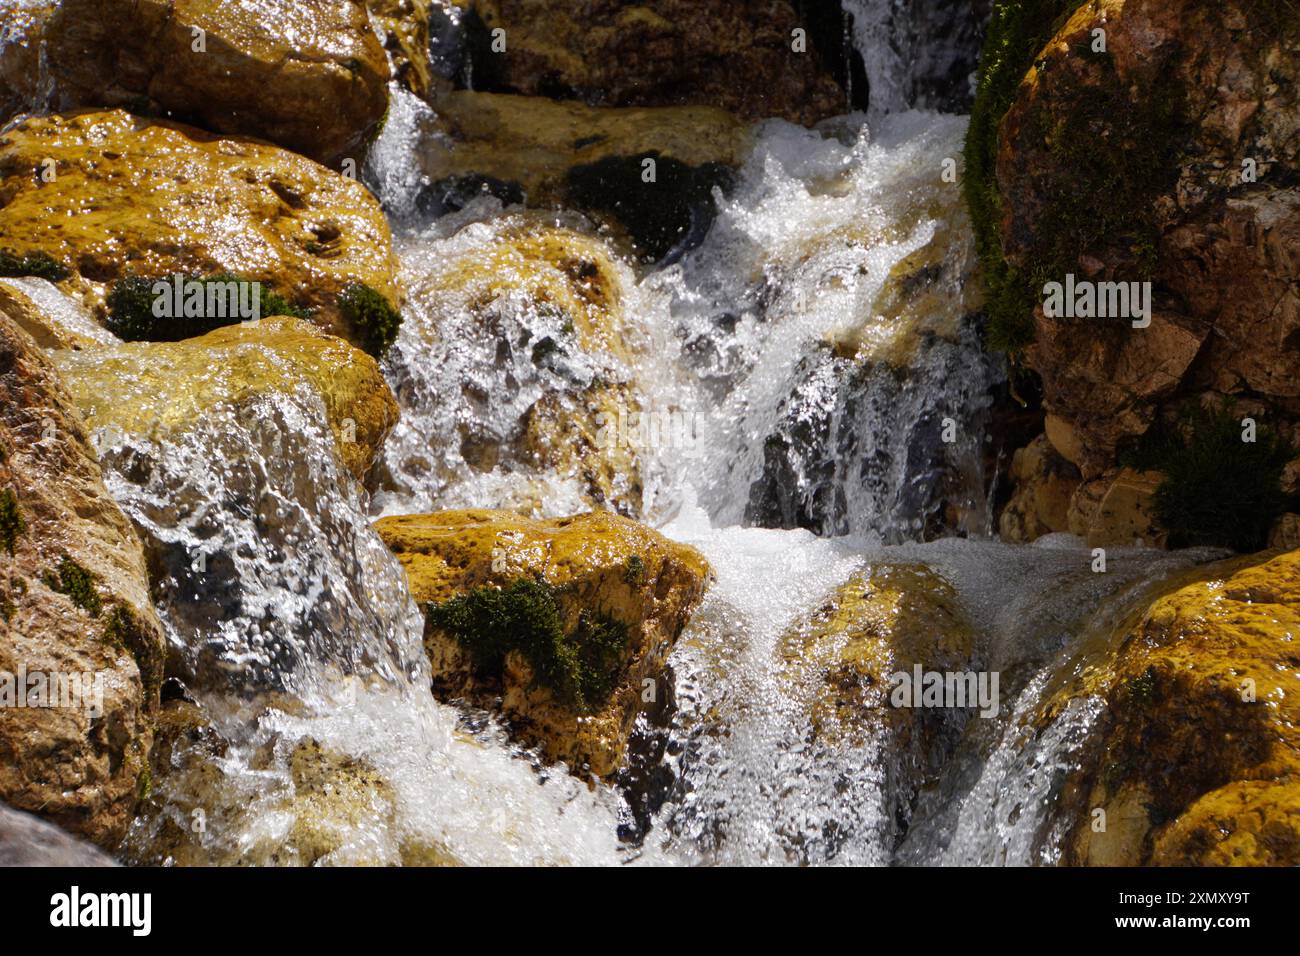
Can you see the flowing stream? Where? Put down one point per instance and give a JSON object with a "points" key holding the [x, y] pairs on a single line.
{"points": [[818, 358]]}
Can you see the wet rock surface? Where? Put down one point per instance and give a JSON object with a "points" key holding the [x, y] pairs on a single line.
{"points": [[80, 646]]}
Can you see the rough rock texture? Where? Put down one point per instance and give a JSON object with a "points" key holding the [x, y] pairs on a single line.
{"points": [[26, 840], [1196, 752], [1128, 165], [1125, 512], [22, 26], [135, 196], [880, 622], [74, 600], [335, 809], [535, 142], [308, 76], [551, 300], [1044, 484], [603, 565], [544, 153], [403, 27], [149, 388], [656, 53]]}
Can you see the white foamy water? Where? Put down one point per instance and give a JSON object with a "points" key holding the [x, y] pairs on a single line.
{"points": [[816, 344]]}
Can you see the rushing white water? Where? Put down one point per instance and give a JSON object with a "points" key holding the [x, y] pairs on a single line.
{"points": [[817, 360]]}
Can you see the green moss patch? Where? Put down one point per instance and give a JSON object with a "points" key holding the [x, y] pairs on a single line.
{"points": [[131, 303], [123, 630], [36, 264], [372, 317], [1018, 30], [1218, 490], [581, 668], [77, 583], [11, 520]]}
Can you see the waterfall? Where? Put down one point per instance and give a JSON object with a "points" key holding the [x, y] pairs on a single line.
{"points": [[807, 399]]}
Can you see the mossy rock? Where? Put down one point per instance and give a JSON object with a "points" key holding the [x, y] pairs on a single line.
{"points": [[1195, 754], [558, 625], [156, 388]]}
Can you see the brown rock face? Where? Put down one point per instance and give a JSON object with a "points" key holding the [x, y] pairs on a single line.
{"points": [[172, 199], [738, 55], [1168, 157], [403, 27], [21, 29], [75, 615], [604, 569], [1045, 483], [309, 76]]}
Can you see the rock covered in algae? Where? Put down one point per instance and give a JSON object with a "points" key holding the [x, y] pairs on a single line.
{"points": [[81, 650], [562, 626], [1196, 754], [842, 659], [151, 388], [308, 76], [109, 195]]}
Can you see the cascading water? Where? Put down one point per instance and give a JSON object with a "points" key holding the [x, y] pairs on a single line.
{"points": [[819, 358]]}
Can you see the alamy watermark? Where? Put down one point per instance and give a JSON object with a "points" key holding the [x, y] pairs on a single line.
{"points": [[1084, 299], [946, 689], [179, 297], [51, 689], [654, 428]]}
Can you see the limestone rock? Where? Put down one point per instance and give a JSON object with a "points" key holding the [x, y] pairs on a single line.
{"points": [[550, 153], [150, 388], [74, 608], [1195, 755], [1125, 515], [310, 77], [601, 571], [553, 374], [328, 808], [1168, 157], [1044, 485], [658, 53], [882, 621], [1285, 535], [171, 199], [50, 316], [22, 26], [403, 27]]}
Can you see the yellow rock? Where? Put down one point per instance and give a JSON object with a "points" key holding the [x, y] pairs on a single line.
{"points": [[152, 198], [1044, 485], [535, 142], [50, 316], [602, 567], [152, 388], [309, 76], [315, 806], [883, 620], [570, 433], [1197, 753], [404, 30]]}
